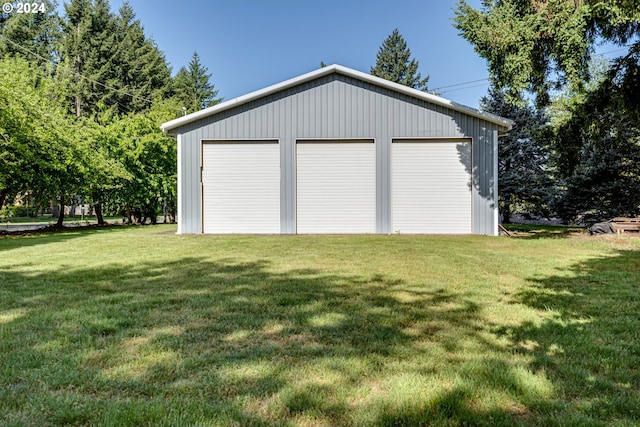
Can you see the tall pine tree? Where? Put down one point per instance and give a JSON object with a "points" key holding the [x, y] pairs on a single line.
{"points": [[394, 63], [524, 182], [193, 88], [34, 36], [140, 68], [110, 63], [88, 26]]}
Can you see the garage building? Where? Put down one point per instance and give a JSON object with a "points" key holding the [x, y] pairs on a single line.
{"points": [[338, 151]]}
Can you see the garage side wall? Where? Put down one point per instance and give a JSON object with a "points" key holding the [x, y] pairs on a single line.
{"points": [[337, 107]]}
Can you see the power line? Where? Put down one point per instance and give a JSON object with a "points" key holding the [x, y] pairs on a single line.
{"points": [[459, 84], [613, 51], [438, 89], [464, 88], [50, 61]]}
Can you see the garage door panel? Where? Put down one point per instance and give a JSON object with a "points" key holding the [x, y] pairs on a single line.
{"points": [[335, 187], [241, 187], [431, 188]]}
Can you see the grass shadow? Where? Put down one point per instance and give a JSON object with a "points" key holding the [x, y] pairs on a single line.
{"points": [[534, 231], [51, 235], [590, 348], [231, 341], [81, 343]]}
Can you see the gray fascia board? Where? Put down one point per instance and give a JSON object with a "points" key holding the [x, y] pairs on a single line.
{"points": [[437, 100]]}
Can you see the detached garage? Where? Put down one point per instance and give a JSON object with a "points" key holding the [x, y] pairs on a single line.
{"points": [[337, 151]]}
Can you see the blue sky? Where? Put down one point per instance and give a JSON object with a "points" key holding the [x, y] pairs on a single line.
{"points": [[250, 44]]}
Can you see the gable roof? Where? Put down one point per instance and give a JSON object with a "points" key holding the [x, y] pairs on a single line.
{"points": [[437, 100]]}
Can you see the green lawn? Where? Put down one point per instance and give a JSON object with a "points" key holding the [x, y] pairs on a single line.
{"points": [[138, 326]]}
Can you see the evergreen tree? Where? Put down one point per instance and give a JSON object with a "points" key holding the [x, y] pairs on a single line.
{"points": [[539, 46], [524, 180], [88, 26], [34, 36], [193, 88], [113, 65], [544, 46], [598, 141], [140, 68], [394, 63]]}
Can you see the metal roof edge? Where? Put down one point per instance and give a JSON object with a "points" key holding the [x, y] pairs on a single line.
{"points": [[335, 68]]}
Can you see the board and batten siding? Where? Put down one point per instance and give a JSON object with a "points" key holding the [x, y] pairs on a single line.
{"points": [[338, 106]]}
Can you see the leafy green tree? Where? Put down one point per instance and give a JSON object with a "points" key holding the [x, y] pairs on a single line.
{"points": [[150, 159], [394, 63], [38, 145], [111, 69], [19, 150], [90, 131], [524, 160], [193, 87]]}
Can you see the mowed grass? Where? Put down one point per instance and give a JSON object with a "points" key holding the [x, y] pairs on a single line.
{"points": [[138, 326]]}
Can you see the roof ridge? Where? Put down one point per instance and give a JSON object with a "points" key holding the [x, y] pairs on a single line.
{"points": [[325, 71]]}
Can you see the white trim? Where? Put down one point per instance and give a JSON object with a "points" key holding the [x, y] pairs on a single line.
{"points": [[240, 141], [179, 190], [496, 213], [335, 140], [190, 118]]}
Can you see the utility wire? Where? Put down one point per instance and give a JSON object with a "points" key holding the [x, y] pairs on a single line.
{"points": [[438, 89], [50, 61], [464, 88], [459, 84]]}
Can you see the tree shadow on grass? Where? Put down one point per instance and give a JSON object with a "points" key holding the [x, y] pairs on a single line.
{"points": [[532, 231], [227, 341], [47, 236], [241, 343], [590, 347]]}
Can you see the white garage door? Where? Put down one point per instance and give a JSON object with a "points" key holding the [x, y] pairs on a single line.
{"points": [[431, 187], [241, 187], [336, 187]]}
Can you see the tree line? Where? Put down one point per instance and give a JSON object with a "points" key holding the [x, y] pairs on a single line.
{"points": [[82, 95]]}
